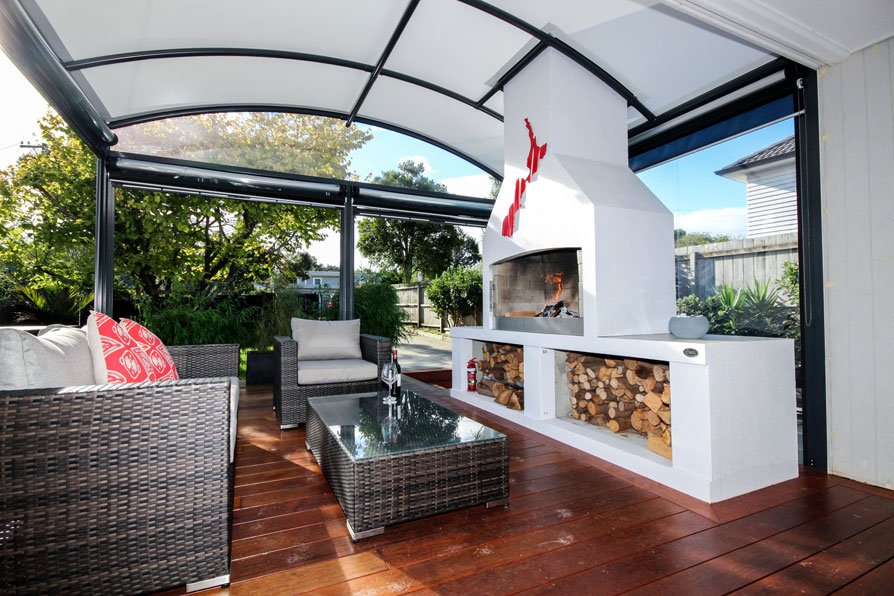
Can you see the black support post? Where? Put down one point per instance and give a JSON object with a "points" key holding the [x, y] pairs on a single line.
{"points": [[346, 270], [104, 241], [810, 232]]}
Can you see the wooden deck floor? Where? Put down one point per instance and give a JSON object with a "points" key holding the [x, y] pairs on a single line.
{"points": [[576, 525]]}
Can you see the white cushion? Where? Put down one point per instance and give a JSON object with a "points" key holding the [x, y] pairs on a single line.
{"points": [[326, 340], [60, 358], [315, 372]]}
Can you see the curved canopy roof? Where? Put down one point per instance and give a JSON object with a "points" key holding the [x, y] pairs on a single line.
{"points": [[433, 69]]}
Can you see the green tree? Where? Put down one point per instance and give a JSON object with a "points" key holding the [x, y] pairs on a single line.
{"points": [[167, 244], [684, 238], [409, 246], [456, 294]]}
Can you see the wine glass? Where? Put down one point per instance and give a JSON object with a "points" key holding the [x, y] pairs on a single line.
{"points": [[389, 377]]}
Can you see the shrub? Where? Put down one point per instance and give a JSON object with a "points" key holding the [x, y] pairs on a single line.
{"points": [[376, 305], [456, 294], [275, 316], [187, 320]]}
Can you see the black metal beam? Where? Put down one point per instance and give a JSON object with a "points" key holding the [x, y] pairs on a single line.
{"points": [[107, 60], [207, 109], [510, 74], [30, 52], [179, 176], [392, 41], [104, 241], [810, 257], [346, 261], [702, 121], [563, 48], [443, 91], [174, 175], [428, 203], [714, 94]]}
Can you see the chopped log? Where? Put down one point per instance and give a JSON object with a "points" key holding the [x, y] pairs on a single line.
{"points": [[656, 444], [666, 436], [598, 420], [611, 363], [504, 396], [666, 394], [486, 387], [638, 420], [660, 373], [653, 401], [616, 425], [594, 408], [515, 403], [615, 414], [665, 414], [652, 418]]}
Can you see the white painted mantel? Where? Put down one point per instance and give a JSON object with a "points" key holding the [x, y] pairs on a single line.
{"points": [[733, 406]]}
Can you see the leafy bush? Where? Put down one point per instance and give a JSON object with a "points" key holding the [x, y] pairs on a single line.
{"points": [[754, 310], [377, 308], [275, 316], [790, 281], [456, 293], [54, 302], [376, 305], [187, 320]]}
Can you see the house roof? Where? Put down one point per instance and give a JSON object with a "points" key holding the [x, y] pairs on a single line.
{"points": [[776, 152]]}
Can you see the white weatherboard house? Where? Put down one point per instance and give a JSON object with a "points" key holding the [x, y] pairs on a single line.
{"points": [[771, 188]]}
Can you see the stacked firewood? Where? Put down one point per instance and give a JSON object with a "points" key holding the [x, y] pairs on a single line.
{"points": [[502, 369], [622, 394]]}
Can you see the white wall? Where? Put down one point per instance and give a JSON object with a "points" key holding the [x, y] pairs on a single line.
{"points": [[857, 153], [773, 201]]}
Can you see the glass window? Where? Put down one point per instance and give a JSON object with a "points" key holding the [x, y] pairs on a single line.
{"points": [[736, 234]]}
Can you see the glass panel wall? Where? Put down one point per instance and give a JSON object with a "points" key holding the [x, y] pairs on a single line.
{"points": [[736, 234]]}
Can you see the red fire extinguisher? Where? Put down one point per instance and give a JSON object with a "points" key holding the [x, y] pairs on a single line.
{"points": [[471, 379]]}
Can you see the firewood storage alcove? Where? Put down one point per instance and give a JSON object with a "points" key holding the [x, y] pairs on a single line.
{"points": [[623, 395], [501, 370], [717, 453]]}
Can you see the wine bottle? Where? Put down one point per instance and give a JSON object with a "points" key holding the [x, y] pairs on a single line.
{"points": [[397, 373]]}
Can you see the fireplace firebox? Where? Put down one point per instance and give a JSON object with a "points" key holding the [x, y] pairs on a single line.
{"points": [[538, 292]]}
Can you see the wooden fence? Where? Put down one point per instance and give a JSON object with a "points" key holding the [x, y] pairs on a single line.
{"points": [[700, 269], [414, 301]]}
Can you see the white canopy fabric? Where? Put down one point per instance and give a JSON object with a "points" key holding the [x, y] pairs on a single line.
{"points": [[444, 60]]}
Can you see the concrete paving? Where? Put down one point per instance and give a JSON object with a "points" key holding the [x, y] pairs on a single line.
{"points": [[423, 351]]}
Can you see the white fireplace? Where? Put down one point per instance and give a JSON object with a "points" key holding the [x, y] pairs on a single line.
{"points": [[582, 197], [579, 263]]}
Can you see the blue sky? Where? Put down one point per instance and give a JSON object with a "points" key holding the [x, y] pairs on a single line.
{"points": [[701, 200]]}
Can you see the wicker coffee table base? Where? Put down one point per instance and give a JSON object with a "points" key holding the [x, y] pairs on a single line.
{"points": [[382, 491]]}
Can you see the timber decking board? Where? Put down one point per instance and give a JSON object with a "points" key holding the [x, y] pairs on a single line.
{"points": [[576, 524]]}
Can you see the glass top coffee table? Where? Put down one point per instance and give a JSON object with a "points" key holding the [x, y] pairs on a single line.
{"points": [[392, 463]]}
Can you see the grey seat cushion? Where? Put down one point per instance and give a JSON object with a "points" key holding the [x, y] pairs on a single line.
{"points": [[59, 358], [315, 372]]}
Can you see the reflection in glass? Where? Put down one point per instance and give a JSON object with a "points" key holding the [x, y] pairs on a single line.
{"points": [[367, 427]]}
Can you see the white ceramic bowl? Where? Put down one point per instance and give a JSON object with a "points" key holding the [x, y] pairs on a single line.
{"points": [[688, 327]]}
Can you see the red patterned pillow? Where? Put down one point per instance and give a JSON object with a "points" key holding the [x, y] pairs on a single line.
{"points": [[162, 364], [116, 357]]}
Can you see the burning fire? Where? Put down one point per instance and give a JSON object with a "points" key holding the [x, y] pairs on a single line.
{"points": [[556, 278]]}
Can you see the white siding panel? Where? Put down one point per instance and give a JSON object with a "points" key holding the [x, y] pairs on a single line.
{"points": [[857, 131], [772, 202]]}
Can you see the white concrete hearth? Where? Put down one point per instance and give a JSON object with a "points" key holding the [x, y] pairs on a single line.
{"points": [[733, 406]]}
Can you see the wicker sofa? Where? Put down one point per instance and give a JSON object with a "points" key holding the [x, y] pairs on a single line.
{"points": [[290, 398], [126, 488]]}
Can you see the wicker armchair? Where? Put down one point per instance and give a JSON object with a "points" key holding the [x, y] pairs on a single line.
{"points": [[113, 489], [290, 398]]}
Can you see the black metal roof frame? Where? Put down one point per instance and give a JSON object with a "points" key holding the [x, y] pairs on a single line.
{"points": [[53, 77]]}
